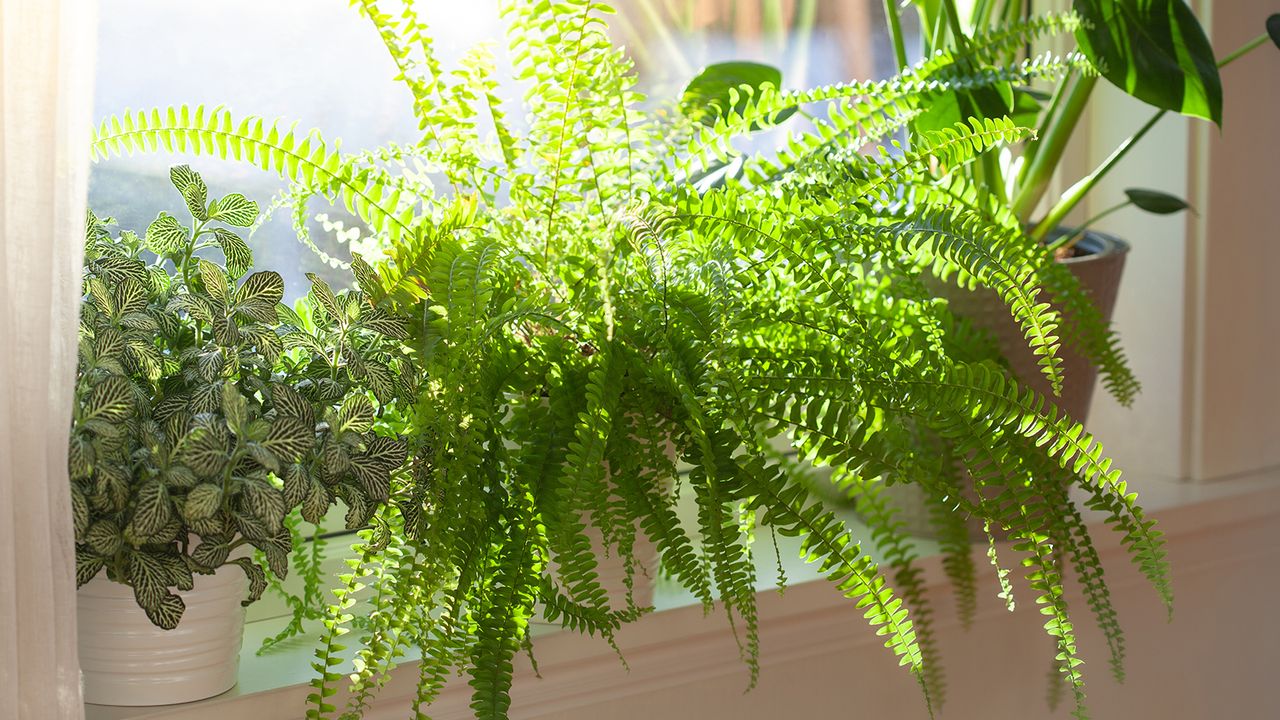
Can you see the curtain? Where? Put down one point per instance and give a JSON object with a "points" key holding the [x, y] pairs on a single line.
{"points": [[46, 81]]}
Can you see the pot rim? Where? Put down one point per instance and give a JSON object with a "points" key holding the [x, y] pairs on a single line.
{"points": [[1103, 244]]}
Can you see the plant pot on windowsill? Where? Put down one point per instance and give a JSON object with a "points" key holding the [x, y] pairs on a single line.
{"points": [[127, 660], [1098, 266]]}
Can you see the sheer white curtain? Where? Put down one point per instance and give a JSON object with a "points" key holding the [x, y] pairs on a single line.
{"points": [[46, 83]]}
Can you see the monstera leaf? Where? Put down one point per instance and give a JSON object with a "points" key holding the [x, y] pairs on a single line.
{"points": [[1156, 51], [719, 90]]}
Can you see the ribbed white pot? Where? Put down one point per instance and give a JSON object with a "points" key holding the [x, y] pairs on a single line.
{"points": [[125, 660]]}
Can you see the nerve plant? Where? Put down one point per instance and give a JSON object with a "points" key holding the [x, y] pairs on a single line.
{"points": [[599, 292], [206, 410]]}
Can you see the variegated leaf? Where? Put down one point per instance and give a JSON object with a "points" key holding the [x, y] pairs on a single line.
{"points": [[290, 403], [277, 549], [234, 209], [265, 502], [323, 296], [204, 501], [167, 612], [257, 579], [111, 400], [215, 281], [355, 415], [182, 175], [316, 503], [210, 555], [104, 537], [239, 257], [366, 278], [177, 572], [196, 195], [204, 448], [250, 526], [166, 236], [79, 511], [384, 323], [289, 438], [258, 296], [148, 578], [153, 509], [235, 408], [87, 566]]}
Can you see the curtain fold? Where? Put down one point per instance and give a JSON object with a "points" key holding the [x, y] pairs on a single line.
{"points": [[47, 50]]}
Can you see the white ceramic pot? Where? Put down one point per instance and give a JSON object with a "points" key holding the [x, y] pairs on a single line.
{"points": [[125, 660]]}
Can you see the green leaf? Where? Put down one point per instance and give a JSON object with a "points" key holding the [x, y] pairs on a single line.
{"points": [[210, 554], [1154, 201], [289, 438], [1156, 51], [235, 407], [258, 296], [257, 579], [87, 566], [239, 257], [1273, 29], [165, 236], [234, 209], [204, 501], [193, 190], [290, 403], [709, 96], [356, 415], [111, 400], [366, 278], [166, 613], [215, 281], [384, 323], [104, 537], [323, 295], [265, 502], [153, 510]]}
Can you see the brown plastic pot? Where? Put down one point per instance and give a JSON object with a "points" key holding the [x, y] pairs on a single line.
{"points": [[1098, 269]]}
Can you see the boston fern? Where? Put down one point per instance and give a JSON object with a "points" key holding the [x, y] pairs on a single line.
{"points": [[596, 293], [206, 410]]}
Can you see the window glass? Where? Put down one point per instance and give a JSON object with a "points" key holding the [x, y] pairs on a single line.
{"points": [[318, 63]]}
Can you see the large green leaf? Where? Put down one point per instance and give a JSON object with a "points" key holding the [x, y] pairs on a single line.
{"points": [[1154, 201], [710, 95], [1156, 51]]}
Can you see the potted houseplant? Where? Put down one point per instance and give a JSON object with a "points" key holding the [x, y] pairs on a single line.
{"points": [[600, 290], [205, 411]]}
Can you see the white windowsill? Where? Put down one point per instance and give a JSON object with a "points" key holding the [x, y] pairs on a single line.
{"points": [[677, 642]]}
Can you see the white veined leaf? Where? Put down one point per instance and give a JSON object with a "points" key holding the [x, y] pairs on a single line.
{"points": [[235, 407], [234, 209], [111, 400], [258, 296], [153, 510], [165, 235], [289, 438], [215, 281], [356, 414], [264, 502], [239, 257], [257, 579], [203, 501], [323, 295]]}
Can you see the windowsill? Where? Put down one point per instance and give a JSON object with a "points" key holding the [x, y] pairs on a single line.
{"points": [[677, 640]]}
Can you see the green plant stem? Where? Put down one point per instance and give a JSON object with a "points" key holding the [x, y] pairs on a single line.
{"points": [[1052, 146], [895, 33], [1046, 124], [1068, 241], [1077, 192]]}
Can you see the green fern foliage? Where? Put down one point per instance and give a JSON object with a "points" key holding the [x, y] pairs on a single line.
{"points": [[585, 316]]}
